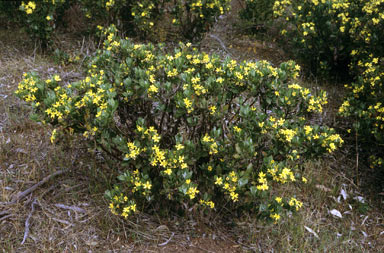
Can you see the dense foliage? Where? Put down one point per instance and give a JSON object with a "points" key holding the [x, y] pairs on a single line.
{"points": [[189, 129]]}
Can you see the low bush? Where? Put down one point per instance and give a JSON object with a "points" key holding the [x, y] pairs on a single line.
{"points": [[189, 130]]}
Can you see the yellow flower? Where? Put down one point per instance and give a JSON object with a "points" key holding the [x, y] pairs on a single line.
{"points": [[53, 136], [219, 181], [212, 109], [57, 78], [31, 5], [147, 185], [275, 216], [48, 18], [156, 138], [187, 102], [237, 129], [168, 171], [192, 192], [234, 196]]}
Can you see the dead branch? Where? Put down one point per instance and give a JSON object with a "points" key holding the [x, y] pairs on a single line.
{"points": [[23, 194], [26, 233]]}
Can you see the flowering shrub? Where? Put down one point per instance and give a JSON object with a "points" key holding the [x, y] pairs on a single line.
{"points": [[364, 105], [190, 18], [193, 17], [330, 34], [40, 18], [189, 129], [140, 16], [345, 35], [319, 33]]}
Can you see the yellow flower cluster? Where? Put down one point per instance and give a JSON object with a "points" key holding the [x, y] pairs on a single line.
{"points": [[210, 204], [166, 159], [212, 144], [229, 185], [263, 182], [144, 14], [330, 140], [61, 107], [27, 88], [192, 191], [370, 86], [122, 204], [316, 104], [275, 216], [279, 175], [198, 6], [109, 4], [29, 7], [287, 134], [134, 151], [295, 203]]}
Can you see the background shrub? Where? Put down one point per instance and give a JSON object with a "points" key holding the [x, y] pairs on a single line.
{"points": [[191, 19], [189, 129], [257, 14], [195, 17], [345, 37], [318, 33], [41, 17]]}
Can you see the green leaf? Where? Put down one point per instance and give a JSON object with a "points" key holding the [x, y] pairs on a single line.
{"points": [[262, 208], [243, 181], [35, 117], [253, 190]]}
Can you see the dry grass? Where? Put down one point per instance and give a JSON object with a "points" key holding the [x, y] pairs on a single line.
{"points": [[84, 224]]}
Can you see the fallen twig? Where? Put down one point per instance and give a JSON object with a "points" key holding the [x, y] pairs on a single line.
{"points": [[62, 221], [167, 241], [221, 44], [6, 217], [26, 233], [4, 212], [23, 194], [73, 208]]}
